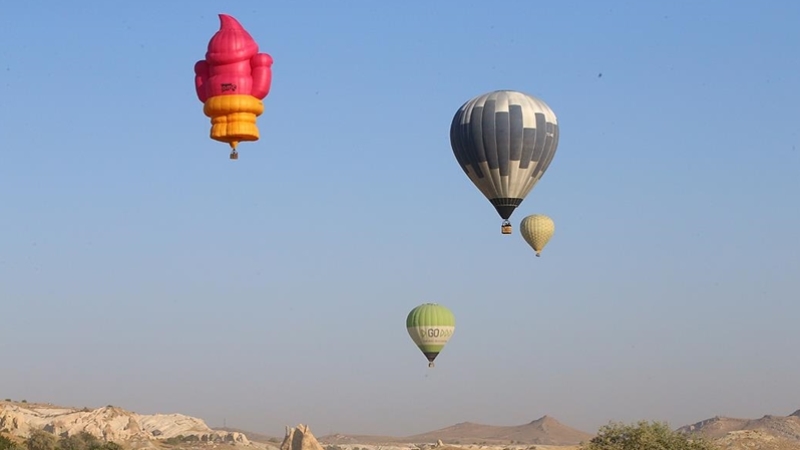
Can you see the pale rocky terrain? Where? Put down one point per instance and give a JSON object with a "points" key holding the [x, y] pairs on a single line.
{"points": [[159, 431], [108, 423], [766, 433], [755, 440]]}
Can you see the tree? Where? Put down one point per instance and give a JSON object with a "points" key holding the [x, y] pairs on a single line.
{"points": [[7, 444], [72, 443], [40, 440], [644, 436], [85, 441]]}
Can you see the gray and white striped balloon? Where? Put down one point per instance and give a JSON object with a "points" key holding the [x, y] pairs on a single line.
{"points": [[504, 140]]}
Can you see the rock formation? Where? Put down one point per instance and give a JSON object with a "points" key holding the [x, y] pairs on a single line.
{"points": [[787, 427], [754, 440], [300, 438], [108, 423]]}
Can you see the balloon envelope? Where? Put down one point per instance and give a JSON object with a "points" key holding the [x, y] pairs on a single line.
{"points": [[537, 230], [232, 81], [504, 141], [430, 326]]}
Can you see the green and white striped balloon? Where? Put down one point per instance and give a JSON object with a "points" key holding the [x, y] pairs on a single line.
{"points": [[430, 326]]}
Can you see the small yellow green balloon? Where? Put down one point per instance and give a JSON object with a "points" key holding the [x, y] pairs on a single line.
{"points": [[537, 229]]}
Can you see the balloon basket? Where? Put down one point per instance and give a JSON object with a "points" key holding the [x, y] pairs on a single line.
{"points": [[234, 155], [505, 228]]}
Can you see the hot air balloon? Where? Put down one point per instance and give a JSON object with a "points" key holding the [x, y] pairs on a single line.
{"points": [[504, 142], [231, 82], [430, 326], [537, 229]]}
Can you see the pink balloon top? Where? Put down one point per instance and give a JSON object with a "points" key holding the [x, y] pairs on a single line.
{"points": [[233, 65]]}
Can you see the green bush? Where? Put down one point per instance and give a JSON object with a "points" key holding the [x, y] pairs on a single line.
{"points": [[7, 444], [43, 440], [180, 439], [40, 440], [644, 436], [173, 440]]}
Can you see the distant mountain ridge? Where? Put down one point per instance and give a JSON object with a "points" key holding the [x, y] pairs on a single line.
{"points": [[767, 432], [543, 431]]}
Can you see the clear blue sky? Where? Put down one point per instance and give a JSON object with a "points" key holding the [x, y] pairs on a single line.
{"points": [[140, 267]]}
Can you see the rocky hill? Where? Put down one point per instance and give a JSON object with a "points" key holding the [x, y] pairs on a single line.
{"points": [[543, 431], [109, 423], [783, 427], [755, 440]]}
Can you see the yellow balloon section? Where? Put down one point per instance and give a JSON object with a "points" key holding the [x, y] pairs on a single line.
{"points": [[537, 230]]}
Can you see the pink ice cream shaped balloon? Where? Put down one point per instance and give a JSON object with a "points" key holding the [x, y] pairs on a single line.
{"points": [[231, 82]]}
